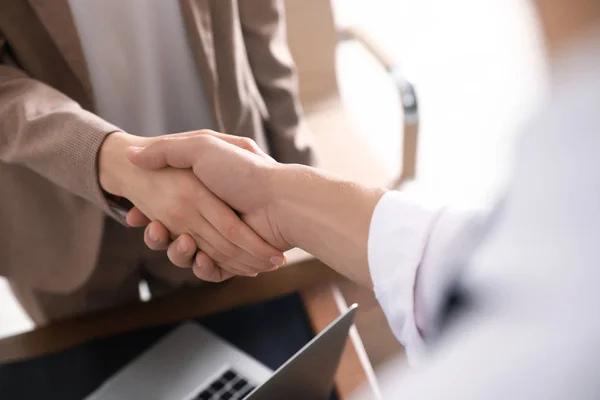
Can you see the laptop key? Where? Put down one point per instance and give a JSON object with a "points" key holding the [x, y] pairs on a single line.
{"points": [[246, 392], [240, 384], [218, 385], [226, 396], [230, 385], [205, 395], [229, 375]]}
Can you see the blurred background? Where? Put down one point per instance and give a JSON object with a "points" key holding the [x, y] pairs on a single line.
{"points": [[478, 70]]}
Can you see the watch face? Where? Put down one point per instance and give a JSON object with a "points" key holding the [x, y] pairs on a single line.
{"points": [[119, 206], [120, 212]]}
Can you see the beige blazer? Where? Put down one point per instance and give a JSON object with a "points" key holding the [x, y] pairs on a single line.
{"points": [[52, 209]]}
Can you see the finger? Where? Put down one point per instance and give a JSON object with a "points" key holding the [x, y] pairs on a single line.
{"points": [[219, 249], [219, 256], [181, 151], [205, 269], [227, 268], [255, 252], [239, 141], [242, 142], [136, 219], [212, 242], [156, 236], [175, 152], [181, 252]]}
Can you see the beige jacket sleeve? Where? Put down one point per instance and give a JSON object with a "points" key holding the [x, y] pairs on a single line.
{"points": [[264, 28], [45, 131]]}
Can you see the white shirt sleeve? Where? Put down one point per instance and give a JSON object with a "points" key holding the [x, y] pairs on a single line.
{"points": [[527, 325], [410, 245]]}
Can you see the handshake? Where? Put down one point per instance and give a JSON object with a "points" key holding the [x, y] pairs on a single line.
{"points": [[205, 197], [220, 205]]}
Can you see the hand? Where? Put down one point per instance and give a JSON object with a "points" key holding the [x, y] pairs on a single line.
{"points": [[185, 205], [231, 168], [287, 205]]}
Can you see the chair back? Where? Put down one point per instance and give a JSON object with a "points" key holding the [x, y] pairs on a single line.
{"points": [[313, 39]]}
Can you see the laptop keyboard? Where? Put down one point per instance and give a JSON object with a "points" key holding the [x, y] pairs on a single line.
{"points": [[229, 386]]}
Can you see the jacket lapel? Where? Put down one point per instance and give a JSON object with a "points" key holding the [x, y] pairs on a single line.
{"points": [[56, 17], [198, 22]]}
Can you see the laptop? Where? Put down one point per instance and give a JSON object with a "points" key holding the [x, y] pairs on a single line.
{"points": [[191, 363]]}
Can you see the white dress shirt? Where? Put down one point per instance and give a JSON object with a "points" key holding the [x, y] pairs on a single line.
{"points": [[528, 271], [141, 68]]}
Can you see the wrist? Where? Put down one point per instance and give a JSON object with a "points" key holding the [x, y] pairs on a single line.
{"points": [[113, 166], [284, 184], [327, 216], [302, 198]]}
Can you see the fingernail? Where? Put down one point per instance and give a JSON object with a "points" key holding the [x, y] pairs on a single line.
{"points": [[182, 247], [135, 149], [277, 260], [153, 236]]}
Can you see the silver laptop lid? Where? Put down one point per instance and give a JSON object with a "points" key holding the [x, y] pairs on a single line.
{"points": [[309, 374]]}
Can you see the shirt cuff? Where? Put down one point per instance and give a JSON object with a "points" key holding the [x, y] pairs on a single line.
{"points": [[398, 235]]}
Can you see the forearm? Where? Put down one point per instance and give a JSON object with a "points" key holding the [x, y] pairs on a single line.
{"points": [[326, 216], [45, 131], [402, 246]]}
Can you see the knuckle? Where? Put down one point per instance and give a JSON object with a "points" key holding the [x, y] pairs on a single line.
{"points": [[187, 194], [174, 212], [205, 137], [156, 142], [247, 143]]}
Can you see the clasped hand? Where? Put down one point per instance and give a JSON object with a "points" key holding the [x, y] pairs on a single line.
{"points": [[192, 184]]}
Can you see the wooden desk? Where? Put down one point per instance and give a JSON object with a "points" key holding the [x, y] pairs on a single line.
{"points": [[308, 276]]}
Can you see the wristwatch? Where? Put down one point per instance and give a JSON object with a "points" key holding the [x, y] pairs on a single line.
{"points": [[118, 205]]}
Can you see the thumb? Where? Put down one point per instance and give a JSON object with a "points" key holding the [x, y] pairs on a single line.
{"points": [[164, 153], [146, 158], [243, 143]]}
